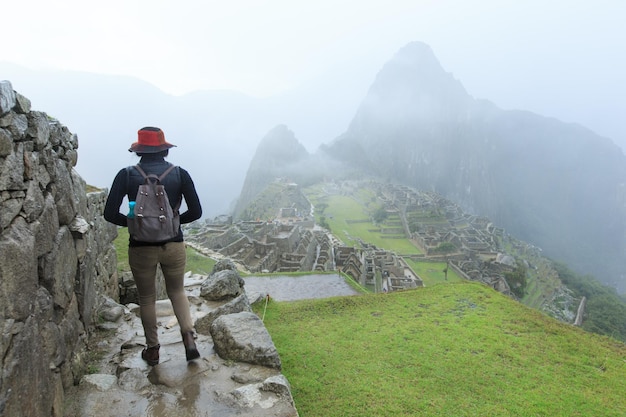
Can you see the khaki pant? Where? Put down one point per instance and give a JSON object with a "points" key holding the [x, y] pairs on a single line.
{"points": [[143, 262]]}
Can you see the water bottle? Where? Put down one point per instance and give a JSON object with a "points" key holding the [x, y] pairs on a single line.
{"points": [[131, 209]]}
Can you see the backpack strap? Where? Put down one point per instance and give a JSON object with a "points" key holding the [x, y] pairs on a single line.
{"points": [[143, 173], [167, 171], [158, 178]]}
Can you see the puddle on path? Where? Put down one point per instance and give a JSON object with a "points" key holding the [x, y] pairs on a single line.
{"points": [[290, 288]]}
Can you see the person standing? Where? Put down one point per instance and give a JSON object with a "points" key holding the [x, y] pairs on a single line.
{"points": [[144, 257]]}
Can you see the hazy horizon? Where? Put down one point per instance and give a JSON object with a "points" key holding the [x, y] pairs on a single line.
{"points": [[561, 59]]}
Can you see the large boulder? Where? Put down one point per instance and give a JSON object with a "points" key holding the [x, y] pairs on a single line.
{"points": [[222, 285], [243, 337]]}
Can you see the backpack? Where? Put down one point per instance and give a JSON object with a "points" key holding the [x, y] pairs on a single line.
{"points": [[154, 220]]}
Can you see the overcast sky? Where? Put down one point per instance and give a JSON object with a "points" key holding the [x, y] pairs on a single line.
{"points": [[559, 58]]}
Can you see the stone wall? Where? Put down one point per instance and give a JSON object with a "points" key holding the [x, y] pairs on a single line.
{"points": [[57, 260], [286, 238]]}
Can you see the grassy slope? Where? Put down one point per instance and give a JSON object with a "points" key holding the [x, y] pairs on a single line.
{"points": [[448, 350], [453, 350], [433, 272]]}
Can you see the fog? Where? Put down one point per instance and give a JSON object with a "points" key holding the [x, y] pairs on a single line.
{"points": [[218, 76]]}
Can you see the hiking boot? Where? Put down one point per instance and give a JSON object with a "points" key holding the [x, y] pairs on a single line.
{"points": [[190, 346], [151, 355]]}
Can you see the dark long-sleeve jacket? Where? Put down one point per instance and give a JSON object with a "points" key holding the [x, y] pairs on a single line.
{"points": [[178, 184]]}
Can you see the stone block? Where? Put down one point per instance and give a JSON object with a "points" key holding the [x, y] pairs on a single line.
{"points": [[237, 305], [22, 104], [6, 143], [18, 271], [243, 337], [222, 285], [7, 97]]}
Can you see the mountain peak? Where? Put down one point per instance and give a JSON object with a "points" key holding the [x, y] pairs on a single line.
{"points": [[418, 54], [414, 86], [279, 154], [280, 145]]}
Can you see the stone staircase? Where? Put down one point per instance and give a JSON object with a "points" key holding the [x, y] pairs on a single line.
{"points": [[122, 384]]}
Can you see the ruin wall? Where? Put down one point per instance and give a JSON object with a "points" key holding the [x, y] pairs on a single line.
{"points": [[57, 260]]}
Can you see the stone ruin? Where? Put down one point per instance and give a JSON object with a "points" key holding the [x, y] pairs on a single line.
{"points": [[290, 244], [261, 247], [57, 260]]}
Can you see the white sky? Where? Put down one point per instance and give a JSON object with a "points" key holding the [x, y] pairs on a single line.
{"points": [[560, 58]]}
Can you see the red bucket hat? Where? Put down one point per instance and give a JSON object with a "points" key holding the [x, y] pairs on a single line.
{"points": [[150, 140]]}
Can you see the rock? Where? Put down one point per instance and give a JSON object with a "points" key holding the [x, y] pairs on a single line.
{"points": [[133, 380], [7, 97], [79, 226], [65, 198], [272, 394], [223, 284], [277, 384], [223, 264], [22, 104], [12, 170], [6, 144], [243, 337], [108, 325], [246, 378], [18, 269], [39, 129], [33, 203], [256, 297], [249, 396], [9, 210], [237, 305], [102, 382], [112, 314]]}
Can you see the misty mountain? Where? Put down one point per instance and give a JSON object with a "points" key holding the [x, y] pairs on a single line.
{"points": [[559, 186], [278, 155], [281, 157]]}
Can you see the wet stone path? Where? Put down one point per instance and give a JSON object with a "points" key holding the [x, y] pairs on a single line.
{"points": [[122, 384]]}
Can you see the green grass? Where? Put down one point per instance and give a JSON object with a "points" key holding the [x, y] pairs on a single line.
{"points": [[350, 220], [198, 263], [121, 247], [432, 272], [460, 349]]}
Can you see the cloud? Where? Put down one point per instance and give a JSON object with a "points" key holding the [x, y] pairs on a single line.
{"points": [[559, 58]]}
